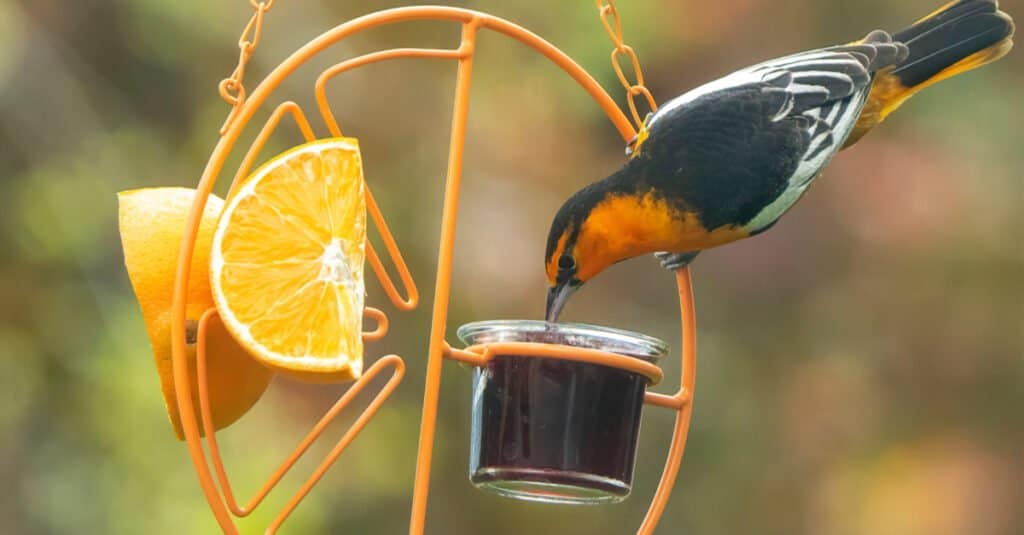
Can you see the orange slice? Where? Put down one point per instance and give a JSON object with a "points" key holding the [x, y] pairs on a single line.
{"points": [[287, 262], [152, 222]]}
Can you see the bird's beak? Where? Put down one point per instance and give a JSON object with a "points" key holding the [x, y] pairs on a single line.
{"points": [[558, 296]]}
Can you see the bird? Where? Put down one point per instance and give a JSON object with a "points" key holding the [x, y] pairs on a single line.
{"points": [[726, 160]]}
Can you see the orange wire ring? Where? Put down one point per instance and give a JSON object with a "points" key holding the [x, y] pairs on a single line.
{"points": [[221, 500]]}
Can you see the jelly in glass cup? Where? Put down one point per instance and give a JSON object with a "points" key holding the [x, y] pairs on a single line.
{"points": [[554, 430]]}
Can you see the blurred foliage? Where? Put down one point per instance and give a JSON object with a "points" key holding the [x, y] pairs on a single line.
{"points": [[860, 367]]}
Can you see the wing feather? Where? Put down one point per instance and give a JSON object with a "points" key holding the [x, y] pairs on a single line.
{"points": [[787, 116]]}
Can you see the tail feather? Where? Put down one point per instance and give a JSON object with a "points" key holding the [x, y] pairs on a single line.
{"points": [[947, 13], [963, 35], [960, 36]]}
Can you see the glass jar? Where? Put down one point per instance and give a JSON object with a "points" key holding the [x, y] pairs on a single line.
{"points": [[554, 430]]}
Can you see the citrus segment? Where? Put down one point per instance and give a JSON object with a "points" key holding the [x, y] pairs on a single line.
{"points": [[287, 261], [152, 222]]}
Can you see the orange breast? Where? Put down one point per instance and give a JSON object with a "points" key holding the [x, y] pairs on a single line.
{"points": [[625, 226]]}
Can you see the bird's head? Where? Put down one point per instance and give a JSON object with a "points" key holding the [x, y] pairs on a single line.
{"points": [[612, 220], [561, 265], [567, 261], [598, 226]]}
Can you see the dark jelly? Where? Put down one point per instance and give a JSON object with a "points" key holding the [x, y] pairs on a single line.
{"points": [[557, 430]]}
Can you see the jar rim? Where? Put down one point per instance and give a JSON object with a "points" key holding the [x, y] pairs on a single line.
{"points": [[584, 335]]}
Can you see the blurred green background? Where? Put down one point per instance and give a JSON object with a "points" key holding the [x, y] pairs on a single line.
{"points": [[861, 365]]}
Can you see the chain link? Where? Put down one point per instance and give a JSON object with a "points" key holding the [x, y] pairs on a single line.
{"points": [[231, 88], [613, 26]]}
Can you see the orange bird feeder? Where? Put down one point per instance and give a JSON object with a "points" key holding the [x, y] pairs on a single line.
{"points": [[482, 353]]}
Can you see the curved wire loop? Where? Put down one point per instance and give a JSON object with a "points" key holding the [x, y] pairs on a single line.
{"points": [[378, 367], [483, 354], [224, 505], [411, 299], [263, 136]]}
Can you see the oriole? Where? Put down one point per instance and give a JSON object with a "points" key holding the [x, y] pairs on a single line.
{"points": [[726, 160]]}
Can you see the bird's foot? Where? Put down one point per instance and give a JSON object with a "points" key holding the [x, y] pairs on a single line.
{"points": [[676, 261]]}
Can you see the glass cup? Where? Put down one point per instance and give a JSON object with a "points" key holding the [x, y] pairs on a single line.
{"points": [[553, 430]]}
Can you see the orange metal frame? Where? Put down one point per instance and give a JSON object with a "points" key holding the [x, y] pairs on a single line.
{"points": [[212, 476]]}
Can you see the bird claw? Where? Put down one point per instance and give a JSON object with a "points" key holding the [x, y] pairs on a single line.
{"points": [[676, 261]]}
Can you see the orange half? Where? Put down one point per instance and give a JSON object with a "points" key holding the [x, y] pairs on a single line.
{"points": [[152, 223], [287, 261]]}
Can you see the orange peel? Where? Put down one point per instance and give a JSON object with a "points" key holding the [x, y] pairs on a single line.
{"points": [[152, 221]]}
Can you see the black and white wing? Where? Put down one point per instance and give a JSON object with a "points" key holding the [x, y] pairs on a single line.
{"points": [[741, 150]]}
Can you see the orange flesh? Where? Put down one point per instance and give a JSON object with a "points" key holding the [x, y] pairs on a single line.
{"points": [[289, 257]]}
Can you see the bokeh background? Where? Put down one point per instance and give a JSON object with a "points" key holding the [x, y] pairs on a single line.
{"points": [[861, 365]]}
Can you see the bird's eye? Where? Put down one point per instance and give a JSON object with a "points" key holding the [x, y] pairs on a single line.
{"points": [[566, 262]]}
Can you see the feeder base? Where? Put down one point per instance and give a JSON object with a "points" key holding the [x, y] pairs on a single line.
{"points": [[550, 486]]}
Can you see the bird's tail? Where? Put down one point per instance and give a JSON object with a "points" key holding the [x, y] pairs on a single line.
{"points": [[960, 36]]}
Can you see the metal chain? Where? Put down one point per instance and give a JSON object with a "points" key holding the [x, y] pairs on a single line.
{"points": [[231, 88], [612, 25]]}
